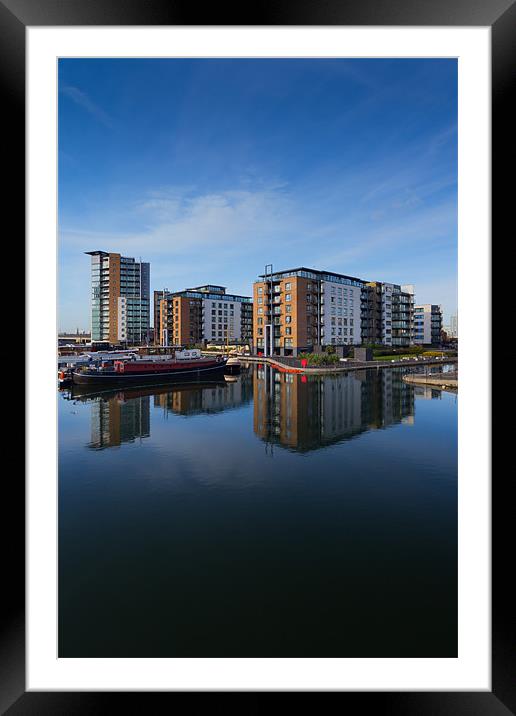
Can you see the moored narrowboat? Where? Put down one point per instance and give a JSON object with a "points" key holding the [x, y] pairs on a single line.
{"points": [[186, 365]]}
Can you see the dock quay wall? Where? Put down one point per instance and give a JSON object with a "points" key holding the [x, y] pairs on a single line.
{"points": [[293, 365], [448, 380]]}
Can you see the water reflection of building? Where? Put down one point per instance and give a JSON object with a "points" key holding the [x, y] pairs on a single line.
{"points": [[386, 399], [308, 412], [206, 398], [427, 392], [118, 420], [124, 415]]}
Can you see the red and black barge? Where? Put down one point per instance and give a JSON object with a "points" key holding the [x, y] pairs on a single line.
{"points": [[145, 371]]}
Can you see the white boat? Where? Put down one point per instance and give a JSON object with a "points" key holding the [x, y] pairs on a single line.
{"points": [[233, 365]]}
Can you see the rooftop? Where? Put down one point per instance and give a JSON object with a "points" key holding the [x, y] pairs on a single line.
{"points": [[215, 296], [316, 273], [209, 288]]}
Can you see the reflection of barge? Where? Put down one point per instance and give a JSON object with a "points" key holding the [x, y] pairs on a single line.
{"points": [[127, 392], [187, 366]]}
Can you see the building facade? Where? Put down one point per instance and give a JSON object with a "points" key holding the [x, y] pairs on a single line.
{"points": [[120, 298], [205, 314], [158, 296], [428, 324], [387, 314], [77, 338], [300, 309]]}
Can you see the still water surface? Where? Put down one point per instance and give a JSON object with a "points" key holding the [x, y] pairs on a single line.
{"points": [[278, 515]]}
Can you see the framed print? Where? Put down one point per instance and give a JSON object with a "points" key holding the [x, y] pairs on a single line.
{"points": [[277, 215]]}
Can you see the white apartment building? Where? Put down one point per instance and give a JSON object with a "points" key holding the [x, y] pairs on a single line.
{"points": [[340, 312], [428, 323], [205, 313]]}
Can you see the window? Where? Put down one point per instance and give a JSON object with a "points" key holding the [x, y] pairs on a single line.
{"points": [[288, 286], [288, 297]]}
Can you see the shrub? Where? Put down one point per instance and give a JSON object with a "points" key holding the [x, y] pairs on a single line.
{"points": [[434, 354], [316, 360], [405, 350]]}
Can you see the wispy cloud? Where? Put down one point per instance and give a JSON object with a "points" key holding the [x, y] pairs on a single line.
{"points": [[173, 223], [189, 238], [83, 100]]}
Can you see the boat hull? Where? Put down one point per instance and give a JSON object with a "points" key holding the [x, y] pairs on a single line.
{"points": [[112, 378]]}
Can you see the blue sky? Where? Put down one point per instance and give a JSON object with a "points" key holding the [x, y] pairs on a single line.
{"points": [[210, 169]]}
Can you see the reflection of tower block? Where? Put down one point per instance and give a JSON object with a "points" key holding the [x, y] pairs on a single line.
{"points": [[363, 354]]}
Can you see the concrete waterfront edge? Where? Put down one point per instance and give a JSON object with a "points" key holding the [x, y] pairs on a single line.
{"points": [[377, 365]]}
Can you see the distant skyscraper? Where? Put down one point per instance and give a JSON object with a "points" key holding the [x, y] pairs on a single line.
{"points": [[120, 298], [454, 326]]}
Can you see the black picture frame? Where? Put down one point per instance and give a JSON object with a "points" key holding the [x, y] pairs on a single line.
{"points": [[15, 16]]}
